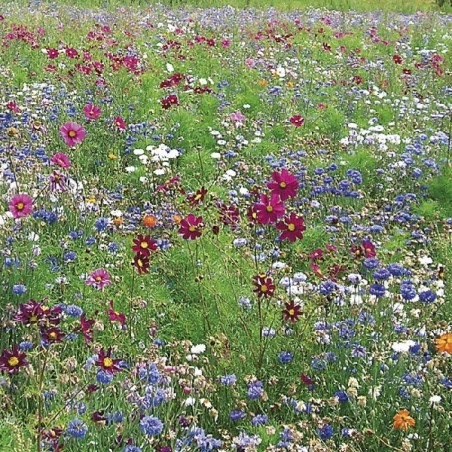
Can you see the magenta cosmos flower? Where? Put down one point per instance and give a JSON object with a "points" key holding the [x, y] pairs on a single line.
{"points": [[92, 111], [20, 205], [72, 133], [99, 279], [284, 184], [62, 160], [292, 228], [269, 209], [297, 120], [190, 227]]}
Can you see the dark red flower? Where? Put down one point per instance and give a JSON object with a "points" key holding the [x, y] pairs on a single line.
{"points": [[86, 327], [369, 248], [198, 197], [306, 380], [229, 214], [284, 184], [292, 227], [106, 362], [144, 245], [297, 120], [141, 263], [169, 101], [52, 335], [291, 311], [264, 286], [190, 227], [12, 360], [397, 59], [119, 123]]}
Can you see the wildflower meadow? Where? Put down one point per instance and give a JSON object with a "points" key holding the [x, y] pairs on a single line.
{"points": [[224, 228]]}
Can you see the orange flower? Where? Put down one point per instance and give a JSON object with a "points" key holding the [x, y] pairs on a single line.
{"points": [[177, 218], [444, 343], [149, 221], [263, 82], [403, 420]]}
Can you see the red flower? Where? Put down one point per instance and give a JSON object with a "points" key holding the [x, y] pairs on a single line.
{"points": [[144, 245], [52, 335], [52, 53], [291, 311], [306, 380], [119, 123], [316, 254], [190, 227], [297, 120], [369, 248], [141, 263], [71, 53], [20, 205], [229, 215], [264, 286], [292, 228], [317, 270], [12, 361], [284, 184], [33, 312], [108, 364], [169, 101], [197, 197], [269, 210], [397, 59], [115, 316], [86, 327]]}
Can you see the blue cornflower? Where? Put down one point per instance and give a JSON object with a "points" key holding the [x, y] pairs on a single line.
{"points": [[90, 241], [378, 290], [236, 415], [326, 287], [70, 256], [104, 377], [427, 296], [259, 419], [101, 224], [228, 380], [77, 429], [25, 346], [131, 448], [396, 269], [255, 389], [407, 290], [371, 263], [150, 373], [326, 432], [285, 357], [151, 425], [342, 396], [73, 310], [19, 289], [382, 274]]}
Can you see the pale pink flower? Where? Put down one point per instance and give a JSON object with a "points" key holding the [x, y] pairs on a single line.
{"points": [[62, 160], [72, 133], [20, 205], [99, 279]]}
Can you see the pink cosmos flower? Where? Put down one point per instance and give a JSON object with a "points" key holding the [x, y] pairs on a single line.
{"points": [[91, 111], [119, 123], [297, 120], [284, 184], [99, 279], [190, 227], [269, 209], [237, 116], [62, 160], [72, 133], [20, 205]]}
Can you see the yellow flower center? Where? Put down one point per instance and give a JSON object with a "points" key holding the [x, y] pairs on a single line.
{"points": [[291, 227], [282, 184], [72, 133], [53, 335], [291, 312], [269, 208], [20, 205], [112, 156], [139, 263], [108, 362], [198, 197], [33, 318], [192, 228], [264, 288], [144, 245], [13, 361]]}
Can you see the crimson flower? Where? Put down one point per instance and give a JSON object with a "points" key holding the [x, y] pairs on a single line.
{"points": [[115, 316], [169, 101], [91, 111], [316, 254], [72, 133], [264, 286], [141, 263], [284, 184], [197, 197], [52, 335], [144, 245], [36, 313], [86, 327], [292, 228], [12, 360], [99, 279], [297, 120], [369, 248], [119, 123], [317, 270], [397, 59], [306, 380], [190, 227], [229, 215], [269, 209], [106, 362], [291, 311]]}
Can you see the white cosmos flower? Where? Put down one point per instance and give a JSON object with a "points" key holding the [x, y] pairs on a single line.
{"points": [[402, 346], [197, 349]]}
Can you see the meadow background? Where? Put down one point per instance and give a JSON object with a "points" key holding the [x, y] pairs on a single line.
{"points": [[225, 225]]}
